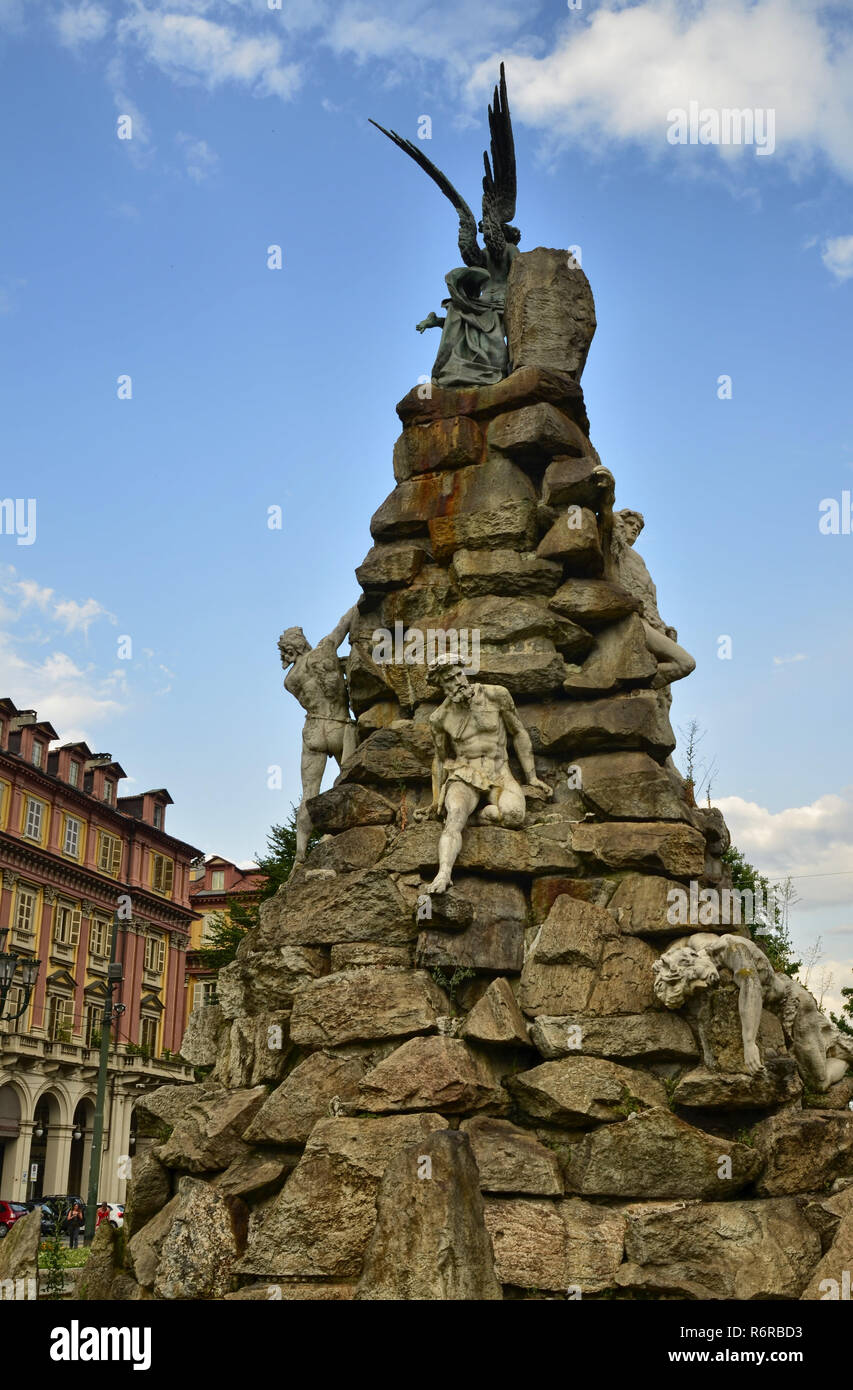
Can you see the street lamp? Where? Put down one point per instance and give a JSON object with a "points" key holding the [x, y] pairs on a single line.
{"points": [[10, 963]]}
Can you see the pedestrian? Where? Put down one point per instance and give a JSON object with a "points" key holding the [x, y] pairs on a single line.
{"points": [[74, 1222], [103, 1213]]}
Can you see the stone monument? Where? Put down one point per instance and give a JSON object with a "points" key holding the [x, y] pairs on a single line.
{"points": [[479, 1089]]}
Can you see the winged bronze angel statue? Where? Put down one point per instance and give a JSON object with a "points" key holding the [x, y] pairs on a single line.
{"points": [[473, 350]]}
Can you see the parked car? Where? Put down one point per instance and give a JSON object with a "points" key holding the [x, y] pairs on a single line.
{"points": [[116, 1217], [10, 1212]]}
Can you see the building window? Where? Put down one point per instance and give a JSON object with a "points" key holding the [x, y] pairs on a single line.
{"points": [[100, 937], [73, 773], [217, 880], [109, 854], [25, 910], [38, 750], [67, 927], [60, 1018], [162, 873], [204, 993], [14, 1000], [155, 954], [148, 1036], [108, 791], [92, 1026], [33, 822], [71, 844], [158, 817]]}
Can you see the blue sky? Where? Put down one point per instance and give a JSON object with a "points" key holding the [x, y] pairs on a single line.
{"points": [[255, 388]]}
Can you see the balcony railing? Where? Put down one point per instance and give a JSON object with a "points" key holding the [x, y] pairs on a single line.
{"points": [[77, 1054]]}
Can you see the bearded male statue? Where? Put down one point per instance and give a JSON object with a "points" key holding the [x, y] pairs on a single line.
{"points": [[471, 764], [317, 681]]}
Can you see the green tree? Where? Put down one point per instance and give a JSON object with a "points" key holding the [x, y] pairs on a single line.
{"points": [[776, 941], [225, 930], [844, 1020]]}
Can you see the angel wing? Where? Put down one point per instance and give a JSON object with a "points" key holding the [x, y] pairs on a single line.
{"points": [[470, 251], [499, 180]]}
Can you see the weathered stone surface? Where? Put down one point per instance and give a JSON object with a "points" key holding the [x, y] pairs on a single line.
{"points": [[380, 715], [640, 905], [391, 565], [254, 1177], [430, 1240], [555, 1245], [513, 620], [358, 1005], [832, 1277], [19, 1252], [449, 443], [494, 948], [639, 720], [207, 1138], [293, 1293], [512, 1159], [143, 1250], [510, 572], [205, 1032], [631, 786], [490, 849], [656, 1154], [716, 1016], [652, 1036], [578, 546], [577, 482], [158, 1111], [509, 524], [739, 1250], [290, 1112], [620, 658], [452, 910], [362, 955], [496, 1018], [353, 849], [148, 1193], [400, 753], [101, 1268], [671, 848], [804, 1151], [579, 1091], [535, 433], [435, 1073], [545, 891], [200, 1247], [550, 312], [573, 933], [412, 505], [364, 906], [592, 602], [246, 1058], [777, 1084], [260, 980], [528, 668], [523, 387], [320, 1223], [620, 983]]}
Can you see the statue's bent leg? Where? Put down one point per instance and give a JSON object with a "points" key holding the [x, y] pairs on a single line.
{"points": [[349, 743], [674, 663], [511, 806], [459, 802]]}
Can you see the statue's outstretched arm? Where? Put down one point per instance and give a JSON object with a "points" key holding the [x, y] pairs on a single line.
{"points": [[338, 633], [431, 321]]}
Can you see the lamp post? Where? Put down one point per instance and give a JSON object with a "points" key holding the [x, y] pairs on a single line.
{"points": [[114, 978], [10, 964]]}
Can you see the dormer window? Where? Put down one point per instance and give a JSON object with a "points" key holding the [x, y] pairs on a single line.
{"points": [[38, 752], [108, 791], [217, 881], [158, 817], [73, 773]]}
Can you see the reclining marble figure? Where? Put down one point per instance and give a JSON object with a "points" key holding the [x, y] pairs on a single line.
{"points": [[469, 731], [693, 964]]}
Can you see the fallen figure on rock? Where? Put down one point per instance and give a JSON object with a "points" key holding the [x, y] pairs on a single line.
{"points": [[693, 964], [469, 730]]}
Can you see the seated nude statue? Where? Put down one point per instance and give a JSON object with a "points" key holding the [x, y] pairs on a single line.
{"points": [[692, 964], [469, 730], [318, 683], [629, 570]]}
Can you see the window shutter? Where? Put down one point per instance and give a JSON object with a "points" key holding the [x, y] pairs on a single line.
{"points": [[116, 857], [75, 926], [168, 876]]}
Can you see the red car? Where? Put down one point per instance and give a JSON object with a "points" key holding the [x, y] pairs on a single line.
{"points": [[10, 1212]]}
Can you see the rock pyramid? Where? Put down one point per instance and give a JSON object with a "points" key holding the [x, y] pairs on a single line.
{"points": [[478, 1094]]}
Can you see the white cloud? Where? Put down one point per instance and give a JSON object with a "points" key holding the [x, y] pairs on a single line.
{"points": [[76, 616], [72, 698], [84, 24], [787, 660], [814, 844], [191, 47], [200, 160], [837, 256]]}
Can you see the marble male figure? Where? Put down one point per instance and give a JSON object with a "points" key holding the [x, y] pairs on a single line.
{"points": [[471, 764], [629, 570], [317, 680]]}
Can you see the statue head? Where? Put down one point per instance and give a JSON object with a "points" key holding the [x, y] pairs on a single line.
{"points": [[681, 972], [291, 644], [448, 672], [630, 523]]}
